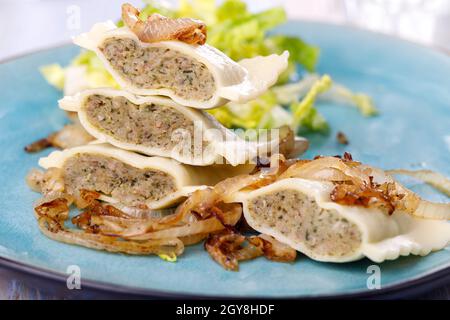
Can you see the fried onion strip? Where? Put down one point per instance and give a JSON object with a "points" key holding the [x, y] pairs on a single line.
{"points": [[159, 28], [198, 227], [53, 230], [434, 179], [71, 135], [52, 215], [228, 248]]}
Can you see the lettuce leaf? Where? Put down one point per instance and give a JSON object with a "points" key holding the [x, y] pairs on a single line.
{"points": [[54, 74], [251, 115], [265, 112], [168, 257], [300, 51], [304, 113], [343, 95], [96, 74], [338, 94]]}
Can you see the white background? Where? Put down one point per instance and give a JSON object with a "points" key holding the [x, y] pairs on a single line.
{"points": [[27, 25]]}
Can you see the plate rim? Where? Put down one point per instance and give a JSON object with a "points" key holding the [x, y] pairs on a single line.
{"points": [[429, 280], [407, 288]]}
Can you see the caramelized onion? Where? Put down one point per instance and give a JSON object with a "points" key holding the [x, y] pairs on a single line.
{"points": [[228, 248], [417, 206], [249, 251], [436, 180], [193, 239], [432, 210], [103, 218], [213, 224], [382, 196], [38, 145], [205, 202], [34, 179], [57, 209], [85, 198], [54, 230], [159, 28], [222, 248], [71, 135], [52, 215], [50, 183], [327, 169], [275, 250]]}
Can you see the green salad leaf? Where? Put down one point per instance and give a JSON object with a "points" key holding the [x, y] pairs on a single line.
{"points": [[96, 74], [265, 112], [251, 115], [168, 257], [54, 74], [361, 101], [304, 113]]}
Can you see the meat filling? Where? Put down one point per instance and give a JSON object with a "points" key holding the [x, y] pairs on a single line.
{"points": [[157, 68], [111, 177], [298, 217], [150, 125]]}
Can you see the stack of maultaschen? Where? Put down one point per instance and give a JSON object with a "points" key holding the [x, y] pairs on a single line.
{"points": [[155, 145]]}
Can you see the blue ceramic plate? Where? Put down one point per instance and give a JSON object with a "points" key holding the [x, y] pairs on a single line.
{"points": [[410, 85]]}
